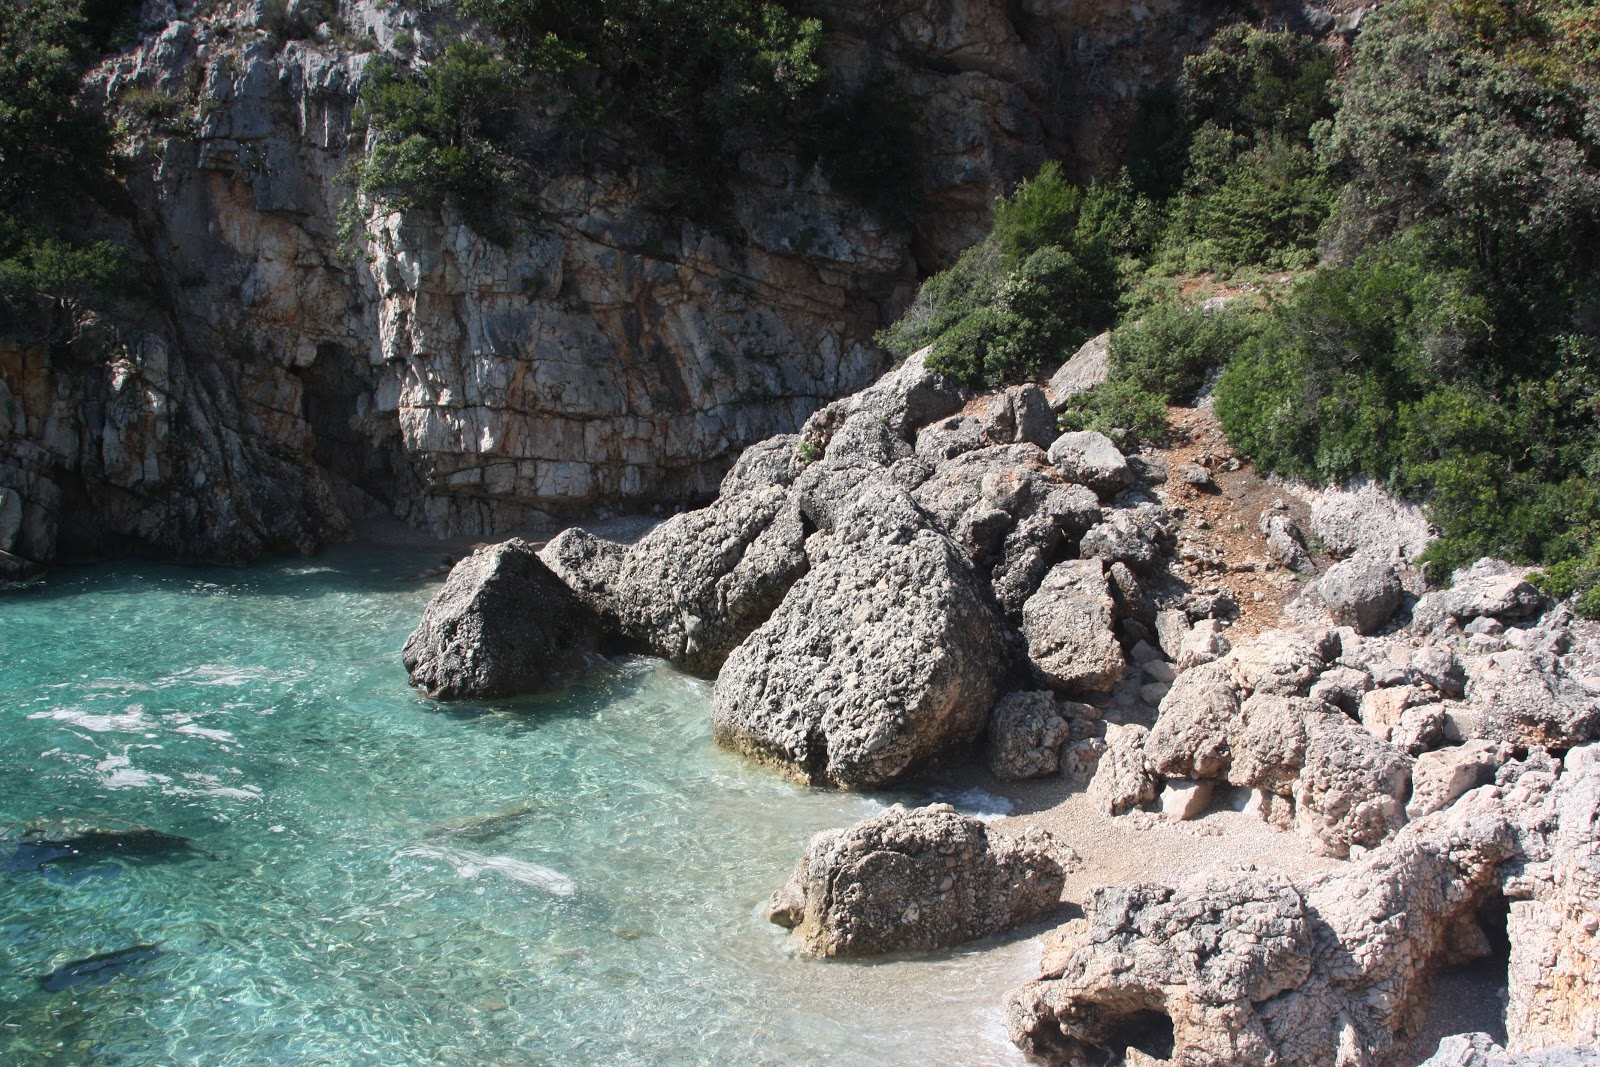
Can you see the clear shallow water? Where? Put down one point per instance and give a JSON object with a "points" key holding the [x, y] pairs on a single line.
{"points": [[377, 879]]}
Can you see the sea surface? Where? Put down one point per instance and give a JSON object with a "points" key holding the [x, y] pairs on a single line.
{"points": [[374, 878]]}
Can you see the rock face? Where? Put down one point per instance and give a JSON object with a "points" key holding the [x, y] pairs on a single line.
{"points": [[600, 354], [502, 625], [1480, 1050], [918, 879], [884, 655], [1554, 922], [1251, 969]]}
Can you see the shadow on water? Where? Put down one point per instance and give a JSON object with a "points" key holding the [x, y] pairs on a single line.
{"points": [[98, 969]]}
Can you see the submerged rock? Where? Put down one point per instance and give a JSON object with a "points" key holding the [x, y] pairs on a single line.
{"points": [[47, 841], [97, 969], [502, 625], [918, 879]]}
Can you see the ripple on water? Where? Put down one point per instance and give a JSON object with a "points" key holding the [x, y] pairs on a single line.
{"points": [[375, 879]]}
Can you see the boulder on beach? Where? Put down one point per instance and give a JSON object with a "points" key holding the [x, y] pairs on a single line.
{"points": [[886, 654], [915, 880]]}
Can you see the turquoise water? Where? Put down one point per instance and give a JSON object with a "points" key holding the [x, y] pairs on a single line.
{"points": [[378, 879]]}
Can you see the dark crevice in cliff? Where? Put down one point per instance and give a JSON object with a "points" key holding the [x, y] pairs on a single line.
{"points": [[360, 447]]}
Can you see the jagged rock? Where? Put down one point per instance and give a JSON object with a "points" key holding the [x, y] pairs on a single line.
{"points": [[1487, 588], [1191, 737], [1122, 538], [698, 584], [1285, 543], [1016, 415], [1361, 592], [1554, 921], [1438, 667], [1071, 647], [882, 656], [1352, 789], [1088, 367], [905, 399], [1382, 709], [1183, 800], [1085, 457], [1124, 779], [1173, 973], [1440, 778], [863, 440], [589, 566], [1204, 643], [1365, 520], [1480, 1050], [502, 625], [1171, 628], [1419, 729], [1249, 969], [1529, 699], [1026, 732], [1343, 687], [1283, 661], [918, 879], [775, 461]]}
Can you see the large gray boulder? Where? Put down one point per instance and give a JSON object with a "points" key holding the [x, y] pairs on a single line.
{"points": [[1089, 366], [884, 655], [918, 879], [776, 461], [1085, 457], [1527, 698], [1361, 592], [905, 399], [1487, 589], [502, 625], [1071, 646], [695, 586]]}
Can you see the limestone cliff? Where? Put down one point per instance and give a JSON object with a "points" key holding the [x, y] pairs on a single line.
{"points": [[277, 382]]}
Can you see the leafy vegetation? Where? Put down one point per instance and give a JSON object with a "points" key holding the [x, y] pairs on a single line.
{"points": [[1041, 284], [688, 84], [53, 156], [1446, 189]]}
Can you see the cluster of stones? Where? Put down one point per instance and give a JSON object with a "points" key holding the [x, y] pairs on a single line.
{"points": [[921, 568]]}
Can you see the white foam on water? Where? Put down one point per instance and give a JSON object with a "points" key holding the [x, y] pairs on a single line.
{"points": [[471, 864], [211, 735], [130, 720], [117, 772]]}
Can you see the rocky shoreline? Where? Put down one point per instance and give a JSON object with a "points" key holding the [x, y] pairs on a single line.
{"points": [[1400, 781]]}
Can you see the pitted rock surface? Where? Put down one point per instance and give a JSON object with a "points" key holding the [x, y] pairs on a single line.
{"points": [[888, 652], [502, 625], [918, 879]]}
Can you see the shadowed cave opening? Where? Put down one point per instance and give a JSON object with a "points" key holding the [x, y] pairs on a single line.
{"points": [[351, 440], [1469, 995], [1148, 1031]]}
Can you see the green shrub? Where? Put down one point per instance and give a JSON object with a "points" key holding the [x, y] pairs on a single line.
{"points": [[1171, 349], [440, 130], [1120, 409]]}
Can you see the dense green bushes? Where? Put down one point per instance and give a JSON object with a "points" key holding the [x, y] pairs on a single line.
{"points": [[1040, 284], [1453, 353], [54, 157], [684, 85]]}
